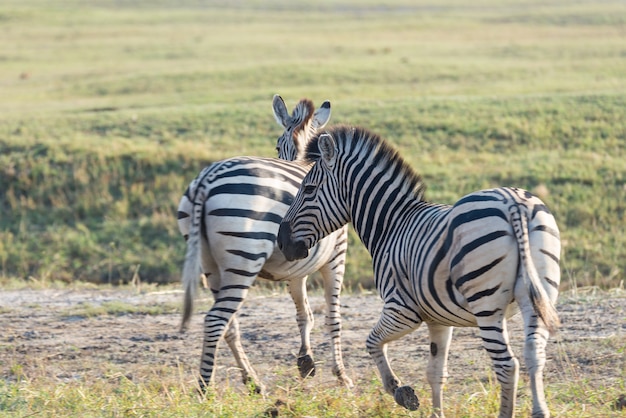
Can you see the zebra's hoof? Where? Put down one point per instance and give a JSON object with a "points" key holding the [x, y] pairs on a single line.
{"points": [[405, 396], [204, 390], [256, 388], [345, 381], [306, 366]]}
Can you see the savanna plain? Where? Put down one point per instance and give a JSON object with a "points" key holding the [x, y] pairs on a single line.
{"points": [[108, 109]]}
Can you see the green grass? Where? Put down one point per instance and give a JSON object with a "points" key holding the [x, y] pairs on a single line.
{"points": [[108, 110], [164, 392], [103, 374]]}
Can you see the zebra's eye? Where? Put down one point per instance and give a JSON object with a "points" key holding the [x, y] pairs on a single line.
{"points": [[309, 189]]}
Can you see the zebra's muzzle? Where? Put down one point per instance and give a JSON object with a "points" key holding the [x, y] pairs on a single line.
{"points": [[293, 250]]}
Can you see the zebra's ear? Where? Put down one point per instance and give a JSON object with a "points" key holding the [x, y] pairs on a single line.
{"points": [[281, 114], [321, 115], [328, 148]]}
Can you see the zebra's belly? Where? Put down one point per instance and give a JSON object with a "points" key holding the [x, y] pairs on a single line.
{"points": [[457, 315], [441, 303], [277, 267], [451, 315]]}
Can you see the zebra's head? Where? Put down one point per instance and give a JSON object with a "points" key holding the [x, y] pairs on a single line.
{"points": [[319, 208], [299, 127]]}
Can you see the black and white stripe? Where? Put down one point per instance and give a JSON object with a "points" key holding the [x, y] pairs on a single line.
{"points": [[461, 265], [230, 216]]}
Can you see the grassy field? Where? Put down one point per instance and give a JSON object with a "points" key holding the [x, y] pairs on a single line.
{"points": [[115, 351], [108, 110]]}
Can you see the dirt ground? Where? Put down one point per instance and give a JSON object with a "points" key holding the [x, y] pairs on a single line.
{"points": [[48, 331]]}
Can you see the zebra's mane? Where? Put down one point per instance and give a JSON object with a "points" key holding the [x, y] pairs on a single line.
{"points": [[353, 139], [302, 113]]}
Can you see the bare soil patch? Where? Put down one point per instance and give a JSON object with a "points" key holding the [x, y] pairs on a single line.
{"points": [[50, 332]]}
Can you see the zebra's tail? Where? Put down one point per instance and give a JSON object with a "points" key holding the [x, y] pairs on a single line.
{"points": [[192, 269], [528, 272]]}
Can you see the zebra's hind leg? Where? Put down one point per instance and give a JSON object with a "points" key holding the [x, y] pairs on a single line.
{"points": [[227, 302], [248, 375], [389, 328], [437, 371], [535, 357], [495, 338], [304, 317], [233, 339]]}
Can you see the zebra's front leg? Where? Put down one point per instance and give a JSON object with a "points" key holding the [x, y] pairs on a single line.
{"points": [[437, 371], [495, 338], [333, 280], [227, 302], [390, 328], [305, 320]]}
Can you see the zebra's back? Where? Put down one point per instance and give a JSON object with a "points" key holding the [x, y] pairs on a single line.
{"points": [[245, 198]]}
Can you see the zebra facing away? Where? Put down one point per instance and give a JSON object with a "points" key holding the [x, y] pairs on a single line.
{"points": [[462, 265], [230, 216]]}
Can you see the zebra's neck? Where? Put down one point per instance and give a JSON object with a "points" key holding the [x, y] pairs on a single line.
{"points": [[382, 199]]}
